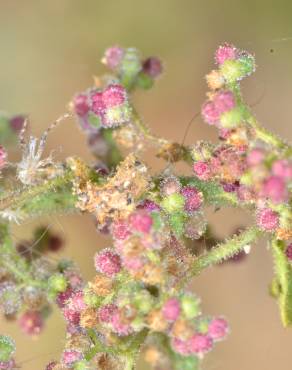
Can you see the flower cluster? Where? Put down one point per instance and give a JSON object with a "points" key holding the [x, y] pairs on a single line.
{"points": [[7, 349]]}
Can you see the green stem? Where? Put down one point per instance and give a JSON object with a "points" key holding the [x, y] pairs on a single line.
{"points": [[225, 250], [15, 200]]}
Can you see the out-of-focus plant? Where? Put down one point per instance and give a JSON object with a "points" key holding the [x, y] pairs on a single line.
{"points": [[161, 239]]}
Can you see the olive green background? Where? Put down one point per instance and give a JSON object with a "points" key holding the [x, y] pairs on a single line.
{"points": [[51, 49]]}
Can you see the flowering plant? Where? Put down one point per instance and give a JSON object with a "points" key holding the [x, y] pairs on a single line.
{"points": [[138, 301]]}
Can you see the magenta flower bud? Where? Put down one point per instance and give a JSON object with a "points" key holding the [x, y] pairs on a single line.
{"points": [[63, 297], [51, 365], [180, 346], [267, 219], [97, 103], [3, 157], [283, 169], [152, 67], [171, 309], [225, 52], [71, 356], [106, 313], [120, 229], [194, 198], [200, 344], [17, 122], [108, 262], [141, 221], [202, 170], [288, 252], [275, 189], [72, 316], [255, 157], [113, 57], [114, 95], [149, 205], [81, 105], [31, 322], [224, 101], [218, 328], [210, 113]]}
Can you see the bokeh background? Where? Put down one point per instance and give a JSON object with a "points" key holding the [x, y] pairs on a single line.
{"points": [[51, 49]]}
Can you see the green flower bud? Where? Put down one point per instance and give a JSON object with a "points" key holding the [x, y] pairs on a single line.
{"points": [[94, 120], [177, 222], [190, 306], [231, 118], [57, 283], [7, 348], [173, 203], [231, 70], [143, 301]]}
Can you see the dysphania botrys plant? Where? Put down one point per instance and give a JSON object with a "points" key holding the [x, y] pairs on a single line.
{"points": [[138, 301]]}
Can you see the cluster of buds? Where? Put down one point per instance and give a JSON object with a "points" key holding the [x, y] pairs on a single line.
{"points": [[243, 164], [130, 68], [102, 108], [7, 349]]}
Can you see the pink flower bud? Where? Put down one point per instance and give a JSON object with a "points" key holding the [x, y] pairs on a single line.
{"points": [[71, 356], [171, 309], [202, 170], [225, 52], [31, 322], [194, 198], [224, 101], [81, 105], [113, 56], [106, 312], [275, 189], [140, 221], [218, 328], [180, 346], [255, 157], [200, 343], [267, 219], [51, 365], [120, 229], [114, 95], [77, 301], [63, 297], [97, 102], [119, 327], [282, 168], [72, 316], [210, 113], [108, 262]]}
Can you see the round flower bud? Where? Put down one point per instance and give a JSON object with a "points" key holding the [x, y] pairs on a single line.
{"points": [[218, 328], [231, 70], [225, 52], [193, 198], [190, 306], [200, 344], [173, 202], [177, 222], [108, 262], [57, 283], [31, 322], [231, 118], [113, 57], [70, 357], [141, 221], [152, 67], [202, 170], [210, 113], [171, 309], [274, 188], [267, 219], [224, 101]]}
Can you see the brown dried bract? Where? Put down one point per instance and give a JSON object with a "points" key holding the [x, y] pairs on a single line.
{"points": [[102, 285], [116, 198]]}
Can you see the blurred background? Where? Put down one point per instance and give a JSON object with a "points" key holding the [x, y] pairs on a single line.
{"points": [[51, 49]]}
